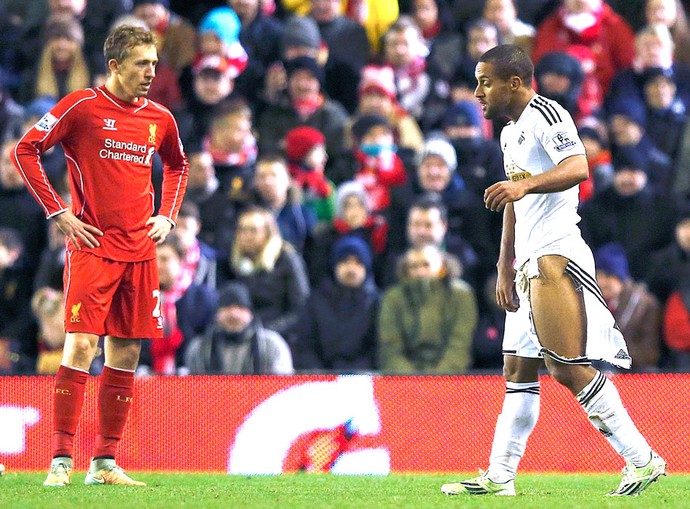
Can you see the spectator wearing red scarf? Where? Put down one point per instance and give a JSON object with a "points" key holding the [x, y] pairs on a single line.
{"points": [[405, 52], [186, 310], [306, 153], [376, 163]]}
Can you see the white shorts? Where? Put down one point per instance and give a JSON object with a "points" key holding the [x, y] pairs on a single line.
{"points": [[604, 339]]}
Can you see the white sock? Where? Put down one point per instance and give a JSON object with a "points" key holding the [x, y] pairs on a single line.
{"points": [[513, 427], [606, 412]]}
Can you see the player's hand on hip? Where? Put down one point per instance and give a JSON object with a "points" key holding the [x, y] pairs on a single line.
{"points": [[506, 296], [501, 193], [160, 226], [79, 233]]}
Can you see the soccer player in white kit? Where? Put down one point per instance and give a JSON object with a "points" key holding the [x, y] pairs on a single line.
{"points": [[555, 311]]}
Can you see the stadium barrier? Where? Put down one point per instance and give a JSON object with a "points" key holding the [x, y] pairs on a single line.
{"points": [[343, 424]]}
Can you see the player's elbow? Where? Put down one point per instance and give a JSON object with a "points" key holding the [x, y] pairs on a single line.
{"points": [[578, 168]]}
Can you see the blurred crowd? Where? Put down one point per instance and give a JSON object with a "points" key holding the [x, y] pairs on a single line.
{"points": [[334, 219]]}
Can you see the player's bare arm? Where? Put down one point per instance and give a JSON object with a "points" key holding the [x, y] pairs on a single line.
{"points": [[159, 226], [77, 231], [506, 297], [566, 174]]}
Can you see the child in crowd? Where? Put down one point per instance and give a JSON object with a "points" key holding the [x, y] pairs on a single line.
{"points": [[306, 153]]}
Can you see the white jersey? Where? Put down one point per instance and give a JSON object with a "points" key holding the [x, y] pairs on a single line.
{"points": [[543, 136]]}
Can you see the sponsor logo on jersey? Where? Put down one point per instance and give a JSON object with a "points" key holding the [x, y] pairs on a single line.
{"points": [[109, 124], [152, 133], [75, 313], [126, 151], [46, 122], [562, 142]]}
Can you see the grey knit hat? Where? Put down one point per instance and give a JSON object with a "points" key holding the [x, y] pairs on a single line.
{"points": [[301, 31]]}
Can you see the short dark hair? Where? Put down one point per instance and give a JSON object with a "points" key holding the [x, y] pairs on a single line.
{"points": [[228, 107], [123, 39], [431, 201], [510, 60]]}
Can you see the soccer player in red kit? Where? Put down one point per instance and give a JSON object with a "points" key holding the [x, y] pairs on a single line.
{"points": [[109, 135]]}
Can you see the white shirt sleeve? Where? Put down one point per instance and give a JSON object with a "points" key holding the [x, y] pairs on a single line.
{"points": [[560, 140]]}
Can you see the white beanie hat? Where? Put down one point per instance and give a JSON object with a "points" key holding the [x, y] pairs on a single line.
{"points": [[441, 148]]}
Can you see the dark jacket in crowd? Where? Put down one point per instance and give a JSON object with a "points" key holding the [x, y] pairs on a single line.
{"points": [[279, 295], [642, 223], [195, 312], [338, 330]]}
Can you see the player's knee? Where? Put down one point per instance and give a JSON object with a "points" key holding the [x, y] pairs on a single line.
{"points": [[82, 346], [567, 375]]}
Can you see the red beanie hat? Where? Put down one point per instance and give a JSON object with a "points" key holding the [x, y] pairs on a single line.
{"points": [[300, 140]]}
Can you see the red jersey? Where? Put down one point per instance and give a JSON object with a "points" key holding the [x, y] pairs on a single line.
{"points": [[108, 144]]}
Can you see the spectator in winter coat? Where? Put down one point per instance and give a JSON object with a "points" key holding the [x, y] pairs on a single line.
{"points": [[653, 50], [377, 96], [236, 343], [405, 52], [376, 162], [271, 268], [353, 216], [187, 308], [305, 104], [427, 320], [275, 190], [667, 113], [348, 50], [199, 260], [629, 212], [61, 66], [560, 77], [306, 154], [338, 330], [595, 27]]}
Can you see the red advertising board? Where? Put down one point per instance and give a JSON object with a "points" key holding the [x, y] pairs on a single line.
{"points": [[347, 424]]}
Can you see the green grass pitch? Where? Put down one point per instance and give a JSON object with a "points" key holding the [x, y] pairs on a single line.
{"points": [[316, 491]]}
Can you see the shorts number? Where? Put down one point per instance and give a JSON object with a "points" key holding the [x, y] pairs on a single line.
{"points": [[157, 307]]}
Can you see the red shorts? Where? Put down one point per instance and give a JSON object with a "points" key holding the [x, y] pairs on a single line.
{"points": [[106, 297]]}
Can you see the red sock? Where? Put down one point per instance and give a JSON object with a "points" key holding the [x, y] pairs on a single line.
{"points": [[114, 401], [68, 399]]}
